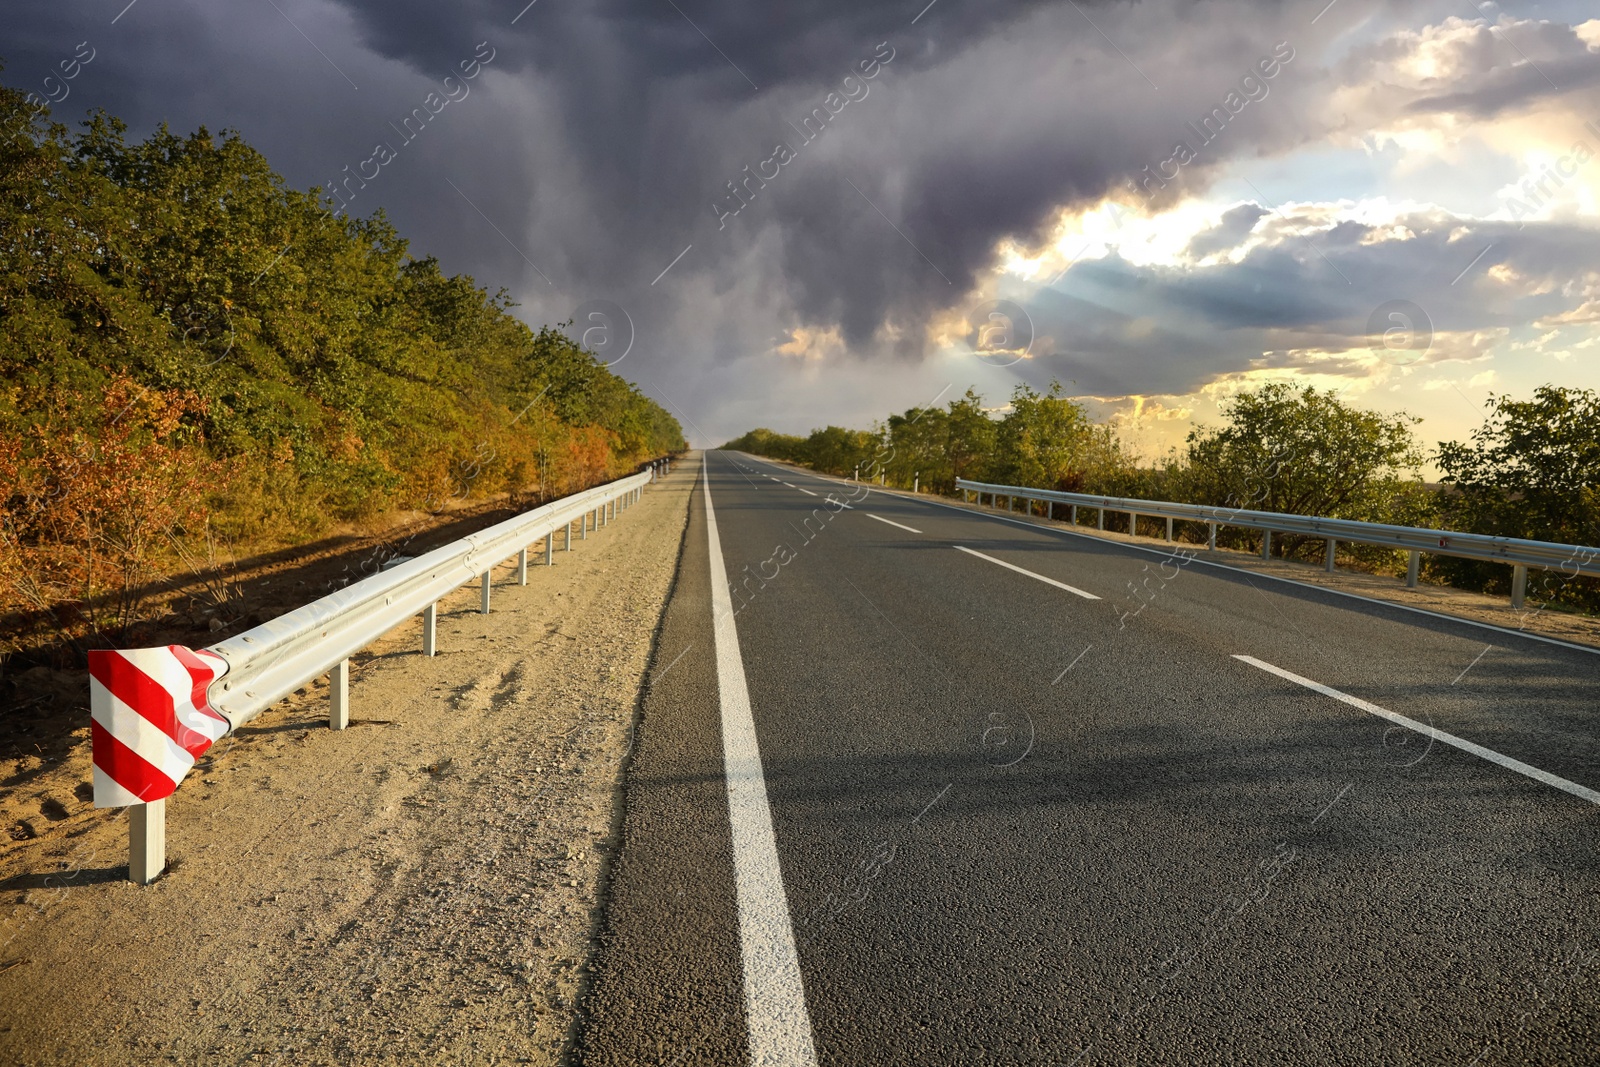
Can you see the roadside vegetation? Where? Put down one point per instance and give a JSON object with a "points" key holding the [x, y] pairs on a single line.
{"points": [[1532, 470], [198, 362]]}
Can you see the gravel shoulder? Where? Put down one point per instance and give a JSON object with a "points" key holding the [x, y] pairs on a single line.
{"points": [[423, 887]]}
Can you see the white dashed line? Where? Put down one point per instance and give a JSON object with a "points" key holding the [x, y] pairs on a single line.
{"points": [[1395, 717], [891, 522], [1030, 574]]}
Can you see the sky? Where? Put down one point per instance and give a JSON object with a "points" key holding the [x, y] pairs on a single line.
{"points": [[798, 214]]}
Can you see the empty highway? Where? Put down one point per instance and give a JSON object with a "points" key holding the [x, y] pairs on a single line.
{"points": [[920, 785]]}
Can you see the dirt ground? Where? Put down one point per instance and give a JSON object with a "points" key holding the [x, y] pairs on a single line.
{"points": [[420, 888], [1496, 611], [44, 705]]}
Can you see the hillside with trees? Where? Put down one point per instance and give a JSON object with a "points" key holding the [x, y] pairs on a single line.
{"points": [[194, 353]]}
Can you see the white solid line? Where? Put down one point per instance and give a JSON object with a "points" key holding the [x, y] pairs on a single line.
{"points": [[1489, 754], [1030, 574], [891, 522], [774, 995]]}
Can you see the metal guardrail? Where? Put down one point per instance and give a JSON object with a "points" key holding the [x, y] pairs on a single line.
{"points": [[1520, 554], [272, 660]]}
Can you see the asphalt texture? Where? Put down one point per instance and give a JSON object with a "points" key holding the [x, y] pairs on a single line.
{"points": [[1020, 826]]}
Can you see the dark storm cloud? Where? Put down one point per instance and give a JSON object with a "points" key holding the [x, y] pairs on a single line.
{"points": [[985, 121], [594, 149]]}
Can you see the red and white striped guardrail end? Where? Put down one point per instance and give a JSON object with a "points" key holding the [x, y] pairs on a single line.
{"points": [[150, 719]]}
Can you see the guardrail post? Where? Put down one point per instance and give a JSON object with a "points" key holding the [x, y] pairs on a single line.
{"points": [[522, 567], [430, 630], [483, 609], [583, 526], [1519, 584], [1133, 524], [1413, 566], [568, 546], [147, 841], [339, 695], [1211, 541], [1266, 544], [1102, 513], [1169, 527], [1074, 514], [1332, 547], [550, 549]]}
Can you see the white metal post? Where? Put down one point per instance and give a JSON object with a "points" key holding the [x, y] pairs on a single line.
{"points": [[583, 526], [1332, 547], [1102, 514], [1266, 544], [483, 608], [1519, 584], [522, 567], [430, 631], [1413, 568], [550, 549], [1169, 527], [1133, 524], [1211, 541], [339, 695], [916, 481], [1074, 514], [147, 841]]}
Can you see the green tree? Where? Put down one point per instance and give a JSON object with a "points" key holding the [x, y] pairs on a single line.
{"points": [[1305, 452], [1532, 470], [1049, 442]]}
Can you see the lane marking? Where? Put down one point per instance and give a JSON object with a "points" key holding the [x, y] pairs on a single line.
{"points": [[804, 490], [891, 522], [1572, 646], [774, 995], [1030, 574], [791, 485], [1582, 792]]}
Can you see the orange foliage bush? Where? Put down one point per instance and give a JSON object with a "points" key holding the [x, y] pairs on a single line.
{"points": [[90, 515]]}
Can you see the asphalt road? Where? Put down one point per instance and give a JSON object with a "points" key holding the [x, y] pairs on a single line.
{"points": [[1030, 806]]}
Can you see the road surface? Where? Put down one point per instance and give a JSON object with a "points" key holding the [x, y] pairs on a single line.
{"points": [[939, 787]]}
